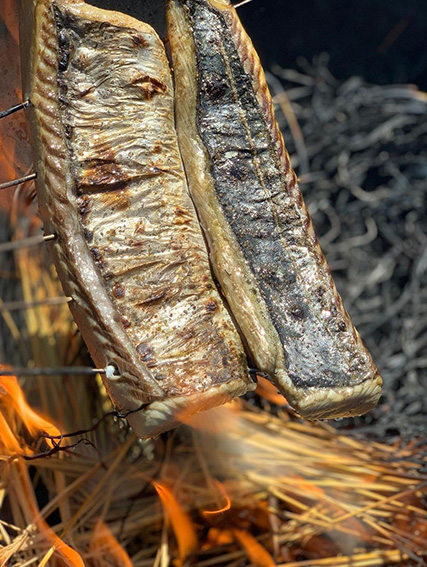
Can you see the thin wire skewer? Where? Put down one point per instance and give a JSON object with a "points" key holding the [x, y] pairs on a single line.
{"points": [[17, 305], [23, 242], [51, 371], [18, 181], [15, 108], [242, 3]]}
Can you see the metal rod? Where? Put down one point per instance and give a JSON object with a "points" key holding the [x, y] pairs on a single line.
{"points": [[242, 3], [51, 371], [23, 242], [17, 305], [24, 179], [15, 108]]}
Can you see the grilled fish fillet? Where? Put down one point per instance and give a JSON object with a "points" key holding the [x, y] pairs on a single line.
{"points": [[110, 184], [263, 247]]}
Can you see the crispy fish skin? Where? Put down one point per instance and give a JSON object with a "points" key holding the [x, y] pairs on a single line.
{"points": [[263, 247], [110, 184]]}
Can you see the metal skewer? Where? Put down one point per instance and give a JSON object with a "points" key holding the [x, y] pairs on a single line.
{"points": [[23, 242], [17, 305], [18, 371], [18, 181], [242, 3], [15, 108]]}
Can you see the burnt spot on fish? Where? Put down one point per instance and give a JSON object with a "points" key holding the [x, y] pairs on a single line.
{"points": [[214, 86], [297, 312], [97, 255], [145, 352], [68, 129], [180, 211], [154, 298], [211, 306], [150, 86], [188, 333], [65, 49], [118, 200], [320, 291], [83, 207], [118, 291], [102, 172], [138, 40], [88, 234], [182, 216]]}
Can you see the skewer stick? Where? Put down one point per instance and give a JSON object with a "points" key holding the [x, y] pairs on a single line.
{"points": [[18, 181], [23, 242], [15, 108], [51, 371], [242, 3], [17, 305]]}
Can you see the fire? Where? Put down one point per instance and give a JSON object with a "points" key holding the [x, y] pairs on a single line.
{"points": [[67, 555], [13, 405], [181, 523], [105, 545], [214, 420], [8, 441], [258, 555], [267, 390], [227, 504], [12, 399]]}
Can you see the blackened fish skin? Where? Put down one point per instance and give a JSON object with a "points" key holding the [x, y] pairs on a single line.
{"points": [[111, 186], [280, 292]]}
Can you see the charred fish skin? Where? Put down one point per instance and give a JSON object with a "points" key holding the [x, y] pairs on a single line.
{"points": [[280, 291], [110, 184]]}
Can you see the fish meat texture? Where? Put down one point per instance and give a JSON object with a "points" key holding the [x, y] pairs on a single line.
{"points": [[263, 248], [110, 183]]}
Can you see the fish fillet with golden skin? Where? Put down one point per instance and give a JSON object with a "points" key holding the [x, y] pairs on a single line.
{"points": [[263, 247], [110, 183]]}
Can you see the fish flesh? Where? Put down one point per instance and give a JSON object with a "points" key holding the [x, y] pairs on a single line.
{"points": [[129, 250], [263, 248]]}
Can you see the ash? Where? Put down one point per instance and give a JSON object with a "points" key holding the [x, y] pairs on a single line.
{"points": [[360, 151]]}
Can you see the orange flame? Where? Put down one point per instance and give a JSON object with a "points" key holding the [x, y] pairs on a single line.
{"points": [[8, 441], [227, 504], [258, 555], [267, 390], [214, 420], [217, 537], [181, 523], [32, 420], [12, 405], [104, 544], [69, 557]]}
